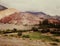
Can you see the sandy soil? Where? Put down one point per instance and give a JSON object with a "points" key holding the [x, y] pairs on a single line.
{"points": [[4, 41]]}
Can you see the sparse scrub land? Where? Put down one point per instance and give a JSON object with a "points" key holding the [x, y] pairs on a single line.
{"points": [[36, 32]]}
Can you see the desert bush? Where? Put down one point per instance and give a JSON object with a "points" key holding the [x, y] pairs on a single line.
{"points": [[26, 36], [56, 40], [34, 29], [14, 30], [44, 31], [0, 32], [19, 33], [5, 35], [11, 35], [54, 44], [56, 34]]}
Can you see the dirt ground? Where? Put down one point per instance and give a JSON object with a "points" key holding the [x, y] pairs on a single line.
{"points": [[4, 41]]}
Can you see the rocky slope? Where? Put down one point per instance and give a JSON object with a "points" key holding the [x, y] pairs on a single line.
{"points": [[13, 16]]}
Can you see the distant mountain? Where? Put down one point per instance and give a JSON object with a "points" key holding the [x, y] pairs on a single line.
{"points": [[13, 16], [56, 17], [35, 13], [39, 14], [44, 15], [2, 8]]}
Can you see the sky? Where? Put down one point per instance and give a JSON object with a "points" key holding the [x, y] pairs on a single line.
{"points": [[51, 7]]}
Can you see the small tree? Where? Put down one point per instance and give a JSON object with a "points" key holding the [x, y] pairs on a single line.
{"points": [[45, 22]]}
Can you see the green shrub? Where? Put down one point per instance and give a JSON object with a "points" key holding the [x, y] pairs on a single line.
{"points": [[26, 36]]}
